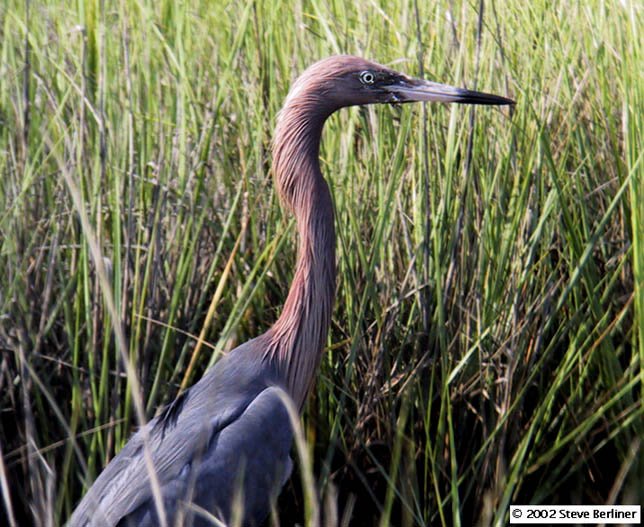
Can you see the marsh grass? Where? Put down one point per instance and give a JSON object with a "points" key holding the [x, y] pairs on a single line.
{"points": [[486, 346]]}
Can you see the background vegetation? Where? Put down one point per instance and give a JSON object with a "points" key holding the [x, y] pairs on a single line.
{"points": [[487, 342]]}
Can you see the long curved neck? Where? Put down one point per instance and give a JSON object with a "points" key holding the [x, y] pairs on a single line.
{"points": [[297, 339]]}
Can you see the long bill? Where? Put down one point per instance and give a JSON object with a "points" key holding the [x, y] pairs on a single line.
{"points": [[415, 90]]}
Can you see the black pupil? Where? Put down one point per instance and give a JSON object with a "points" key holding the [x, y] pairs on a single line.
{"points": [[367, 77]]}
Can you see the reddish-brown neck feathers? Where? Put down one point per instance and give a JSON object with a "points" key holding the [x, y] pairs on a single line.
{"points": [[298, 337]]}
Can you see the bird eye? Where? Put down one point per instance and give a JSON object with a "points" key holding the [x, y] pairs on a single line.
{"points": [[366, 77]]}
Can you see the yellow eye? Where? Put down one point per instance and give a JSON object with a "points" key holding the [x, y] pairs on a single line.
{"points": [[366, 77]]}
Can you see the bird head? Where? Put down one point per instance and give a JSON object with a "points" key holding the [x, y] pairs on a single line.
{"points": [[341, 81]]}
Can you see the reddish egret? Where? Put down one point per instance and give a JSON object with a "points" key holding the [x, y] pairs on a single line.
{"points": [[228, 437]]}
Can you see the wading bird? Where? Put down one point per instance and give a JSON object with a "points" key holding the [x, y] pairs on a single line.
{"points": [[228, 437]]}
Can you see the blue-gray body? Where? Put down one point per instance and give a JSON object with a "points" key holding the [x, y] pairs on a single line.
{"points": [[229, 425]]}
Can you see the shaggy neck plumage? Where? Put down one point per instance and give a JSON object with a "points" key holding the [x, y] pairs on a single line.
{"points": [[297, 339]]}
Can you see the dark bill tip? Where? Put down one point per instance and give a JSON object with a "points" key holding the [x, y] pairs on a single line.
{"points": [[477, 97]]}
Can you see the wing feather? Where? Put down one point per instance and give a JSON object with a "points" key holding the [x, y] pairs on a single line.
{"points": [[200, 425]]}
